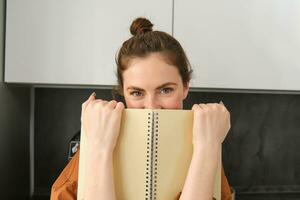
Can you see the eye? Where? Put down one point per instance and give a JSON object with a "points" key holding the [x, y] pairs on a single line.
{"points": [[166, 90], [136, 93]]}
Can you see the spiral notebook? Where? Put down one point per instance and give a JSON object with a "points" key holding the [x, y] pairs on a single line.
{"points": [[152, 155]]}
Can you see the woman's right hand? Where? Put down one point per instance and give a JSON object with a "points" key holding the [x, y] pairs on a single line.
{"points": [[101, 122]]}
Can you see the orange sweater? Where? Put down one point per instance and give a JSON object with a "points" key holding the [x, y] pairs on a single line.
{"points": [[65, 186]]}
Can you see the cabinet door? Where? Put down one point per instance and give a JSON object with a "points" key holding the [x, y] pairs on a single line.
{"points": [[241, 44], [73, 42]]}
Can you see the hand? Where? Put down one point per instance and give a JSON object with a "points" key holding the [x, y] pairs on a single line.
{"points": [[101, 123], [211, 124]]}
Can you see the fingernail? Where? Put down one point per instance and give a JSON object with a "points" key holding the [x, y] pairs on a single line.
{"points": [[94, 94], [221, 102]]}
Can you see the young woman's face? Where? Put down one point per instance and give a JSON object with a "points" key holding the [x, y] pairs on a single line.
{"points": [[154, 84]]}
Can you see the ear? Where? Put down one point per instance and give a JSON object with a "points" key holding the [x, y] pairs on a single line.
{"points": [[186, 88]]}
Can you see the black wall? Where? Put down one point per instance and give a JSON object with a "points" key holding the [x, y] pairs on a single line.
{"points": [[260, 155], [14, 142]]}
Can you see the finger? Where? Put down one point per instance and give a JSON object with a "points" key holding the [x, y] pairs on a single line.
{"points": [[112, 104], [198, 111], [120, 107], [98, 101], [221, 103], [214, 105], [91, 98], [86, 103], [195, 106], [203, 106]]}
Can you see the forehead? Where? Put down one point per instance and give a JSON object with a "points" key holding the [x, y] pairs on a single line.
{"points": [[150, 71]]}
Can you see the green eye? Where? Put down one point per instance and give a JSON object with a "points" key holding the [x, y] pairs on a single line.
{"points": [[166, 90], [136, 93]]}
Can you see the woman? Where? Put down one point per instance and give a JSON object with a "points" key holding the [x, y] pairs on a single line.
{"points": [[153, 72]]}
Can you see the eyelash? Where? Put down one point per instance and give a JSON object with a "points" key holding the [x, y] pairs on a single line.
{"points": [[134, 93], [166, 90]]}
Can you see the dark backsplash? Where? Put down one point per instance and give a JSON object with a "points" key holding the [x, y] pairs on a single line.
{"points": [[260, 154]]}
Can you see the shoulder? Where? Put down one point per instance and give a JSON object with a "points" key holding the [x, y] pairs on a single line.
{"points": [[66, 184]]}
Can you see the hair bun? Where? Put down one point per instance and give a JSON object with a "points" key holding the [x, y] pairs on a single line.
{"points": [[140, 25]]}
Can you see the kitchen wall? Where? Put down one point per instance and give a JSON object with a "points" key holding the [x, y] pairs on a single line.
{"points": [[14, 131], [260, 154]]}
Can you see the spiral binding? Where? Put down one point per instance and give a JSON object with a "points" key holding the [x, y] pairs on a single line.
{"points": [[148, 192], [151, 164], [155, 134]]}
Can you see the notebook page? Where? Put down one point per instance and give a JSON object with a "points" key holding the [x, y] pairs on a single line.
{"points": [[175, 152], [130, 156]]}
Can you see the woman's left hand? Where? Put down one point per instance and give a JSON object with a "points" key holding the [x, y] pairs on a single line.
{"points": [[211, 124]]}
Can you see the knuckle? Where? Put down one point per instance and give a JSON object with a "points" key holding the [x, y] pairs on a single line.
{"points": [[206, 110], [113, 101], [107, 107], [200, 112], [195, 107], [97, 105]]}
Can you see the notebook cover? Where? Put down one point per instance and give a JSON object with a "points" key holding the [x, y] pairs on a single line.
{"points": [[161, 138]]}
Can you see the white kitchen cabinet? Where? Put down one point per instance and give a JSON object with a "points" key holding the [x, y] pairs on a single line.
{"points": [[72, 42], [241, 44]]}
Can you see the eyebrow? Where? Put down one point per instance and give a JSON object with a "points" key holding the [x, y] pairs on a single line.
{"points": [[159, 87]]}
